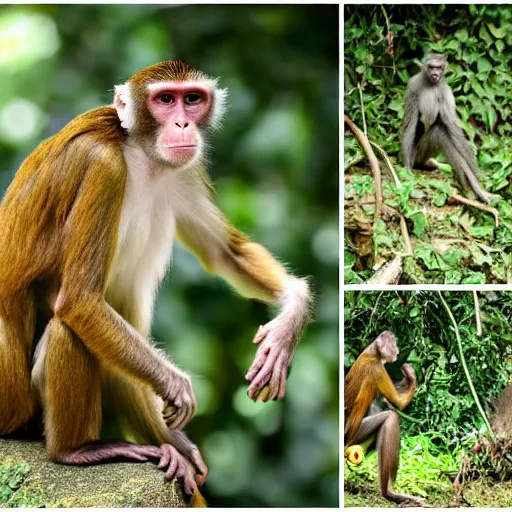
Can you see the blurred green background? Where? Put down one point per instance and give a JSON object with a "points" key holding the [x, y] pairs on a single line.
{"points": [[275, 168]]}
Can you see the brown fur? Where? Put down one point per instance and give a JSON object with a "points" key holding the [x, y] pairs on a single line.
{"points": [[366, 378], [58, 226], [502, 415], [59, 221]]}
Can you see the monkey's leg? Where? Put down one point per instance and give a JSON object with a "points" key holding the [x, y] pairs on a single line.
{"points": [[73, 425], [427, 165], [369, 425], [135, 403], [137, 411], [388, 454], [17, 324], [459, 156], [425, 153]]}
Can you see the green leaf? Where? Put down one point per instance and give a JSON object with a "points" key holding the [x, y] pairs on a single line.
{"points": [[498, 33], [462, 35], [483, 65]]}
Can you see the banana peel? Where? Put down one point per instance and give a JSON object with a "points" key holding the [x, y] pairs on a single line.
{"points": [[355, 453]]}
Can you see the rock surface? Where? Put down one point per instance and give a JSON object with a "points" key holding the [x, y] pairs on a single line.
{"points": [[29, 478]]}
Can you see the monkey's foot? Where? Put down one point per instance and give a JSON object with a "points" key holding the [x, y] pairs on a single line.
{"points": [[429, 165], [100, 451], [269, 370], [405, 500], [170, 460], [191, 452], [176, 465]]}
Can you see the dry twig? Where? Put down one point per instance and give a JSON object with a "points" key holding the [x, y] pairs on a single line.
{"points": [[372, 159], [479, 206]]}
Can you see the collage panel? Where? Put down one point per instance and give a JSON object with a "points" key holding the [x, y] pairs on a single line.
{"points": [[169, 250], [427, 138], [428, 398]]}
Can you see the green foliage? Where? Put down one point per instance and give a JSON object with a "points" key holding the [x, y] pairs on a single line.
{"points": [[423, 471], [275, 169], [383, 48], [443, 402], [13, 491]]}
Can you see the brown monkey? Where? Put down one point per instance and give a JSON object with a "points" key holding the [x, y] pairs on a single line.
{"points": [[366, 380], [430, 126], [86, 231]]}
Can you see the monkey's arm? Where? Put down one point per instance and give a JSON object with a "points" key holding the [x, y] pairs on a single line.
{"points": [[254, 273], [402, 396], [409, 127], [88, 245]]}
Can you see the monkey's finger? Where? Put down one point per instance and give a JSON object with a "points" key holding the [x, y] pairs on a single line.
{"points": [[282, 385], [275, 380], [183, 417], [257, 364], [263, 376], [189, 483], [201, 474], [260, 333], [166, 457], [171, 470]]}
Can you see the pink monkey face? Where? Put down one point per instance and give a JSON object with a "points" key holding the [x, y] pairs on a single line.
{"points": [[179, 108]]}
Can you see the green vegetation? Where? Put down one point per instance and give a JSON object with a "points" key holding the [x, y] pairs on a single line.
{"points": [[442, 422], [13, 492], [275, 168], [452, 243]]}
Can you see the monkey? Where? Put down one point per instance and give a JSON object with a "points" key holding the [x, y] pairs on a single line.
{"points": [[366, 380], [86, 233], [430, 126]]}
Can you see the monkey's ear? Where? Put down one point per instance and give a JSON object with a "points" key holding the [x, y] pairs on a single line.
{"points": [[219, 107], [124, 106]]}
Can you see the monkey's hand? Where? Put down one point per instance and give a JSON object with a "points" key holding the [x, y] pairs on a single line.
{"points": [[179, 401], [176, 465], [269, 370], [409, 373]]}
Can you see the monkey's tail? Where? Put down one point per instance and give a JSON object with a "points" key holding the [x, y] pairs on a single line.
{"points": [[459, 156], [197, 500], [502, 415]]}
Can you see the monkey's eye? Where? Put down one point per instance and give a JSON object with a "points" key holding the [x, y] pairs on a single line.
{"points": [[192, 98], [166, 98]]}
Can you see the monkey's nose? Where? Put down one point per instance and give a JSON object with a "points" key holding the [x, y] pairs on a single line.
{"points": [[182, 125]]}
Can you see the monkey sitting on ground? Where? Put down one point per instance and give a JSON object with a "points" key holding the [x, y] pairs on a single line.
{"points": [[366, 380], [86, 233], [430, 126]]}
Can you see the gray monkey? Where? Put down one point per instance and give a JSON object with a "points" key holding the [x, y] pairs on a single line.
{"points": [[430, 126]]}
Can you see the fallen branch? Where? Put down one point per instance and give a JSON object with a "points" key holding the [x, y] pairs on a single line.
{"points": [[384, 155], [478, 315], [409, 251], [479, 206], [374, 163], [389, 274]]}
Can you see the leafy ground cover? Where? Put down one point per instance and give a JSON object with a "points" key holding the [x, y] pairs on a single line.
{"points": [[451, 243]]}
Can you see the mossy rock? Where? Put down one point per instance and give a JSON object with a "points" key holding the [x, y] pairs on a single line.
{"points": [[28, 478]]}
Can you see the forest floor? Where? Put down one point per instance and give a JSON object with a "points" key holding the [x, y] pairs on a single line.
{"points": [[449, 242], [479, 493], [428, 472]]}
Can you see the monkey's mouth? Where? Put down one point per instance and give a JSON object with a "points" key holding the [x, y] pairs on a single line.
{"points": [[181, 146]]}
